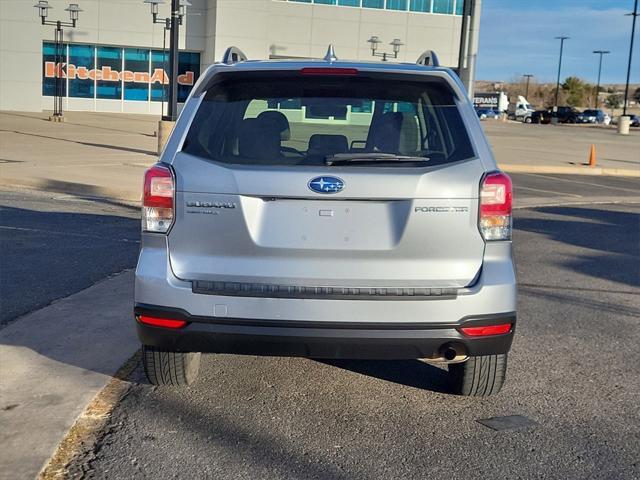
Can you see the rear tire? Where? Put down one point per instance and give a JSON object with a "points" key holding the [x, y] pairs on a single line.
{"points": [[164, 367], [478, 376]]}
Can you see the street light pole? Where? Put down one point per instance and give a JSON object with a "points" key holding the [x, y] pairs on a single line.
{"points": [[601, 53], [171, 23], [562, 39], [174, 35], [526, 90], [43, 11], [633, 31]]}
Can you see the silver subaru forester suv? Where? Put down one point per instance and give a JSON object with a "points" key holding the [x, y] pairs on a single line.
{"points": [[332, 210]]}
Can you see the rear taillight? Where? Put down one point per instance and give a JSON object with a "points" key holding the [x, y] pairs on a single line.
{"points": [[496, 198], [157, 199]]}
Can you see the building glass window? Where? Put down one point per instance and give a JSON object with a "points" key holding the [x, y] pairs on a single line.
{"points": [[424, 6], [364, 106], [291, 104], [159, 67], [109, 63], [373, 3], [442, 6], [136, 74], [420, 6], [49, 69], [94, 71], [188, 71], [397, 5], [79, 71]]}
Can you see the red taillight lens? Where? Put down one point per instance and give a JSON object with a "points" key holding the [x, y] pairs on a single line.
{"points": [[161, 322], [157, 199], [328, 71], [496, 201], [486, 330]]}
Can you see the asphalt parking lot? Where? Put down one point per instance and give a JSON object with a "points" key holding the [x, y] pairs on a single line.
{"points": [[70, 243], [573, 370]]}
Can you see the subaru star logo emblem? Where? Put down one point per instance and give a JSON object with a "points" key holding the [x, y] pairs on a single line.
{"points": [[326, 184]]}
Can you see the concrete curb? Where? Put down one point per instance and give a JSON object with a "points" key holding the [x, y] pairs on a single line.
{"points": [[88, 428], [569, 170]]}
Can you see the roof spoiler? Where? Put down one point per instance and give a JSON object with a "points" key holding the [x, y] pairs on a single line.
{"points": [[233, 55], [428, 59]]}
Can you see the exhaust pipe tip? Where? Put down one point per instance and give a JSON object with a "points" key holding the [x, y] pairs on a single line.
{"points": [[450, 353], [453, 353]]}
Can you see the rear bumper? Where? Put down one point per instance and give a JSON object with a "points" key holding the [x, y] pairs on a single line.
{"points": [[351, 340]]}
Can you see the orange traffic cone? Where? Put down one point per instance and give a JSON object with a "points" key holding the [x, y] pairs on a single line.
{"points": [[592, 156]]}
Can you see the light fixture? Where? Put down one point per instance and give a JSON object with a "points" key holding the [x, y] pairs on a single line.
{"points": [[374, 41], [396, 45], [73, 10], [154, 5], [43, 7], [183, 7]]}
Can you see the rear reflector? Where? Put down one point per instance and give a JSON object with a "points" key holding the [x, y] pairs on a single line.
{"points": [[328, 71], [486, 330], [161, 322]]}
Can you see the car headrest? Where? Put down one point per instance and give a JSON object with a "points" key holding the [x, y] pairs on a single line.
{"points": [[258, 140], [279, 120], [409, 135], [386, 132], [320, 144]]}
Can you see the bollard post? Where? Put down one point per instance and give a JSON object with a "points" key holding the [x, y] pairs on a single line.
{"points": [[624, 121], [164, 131]]}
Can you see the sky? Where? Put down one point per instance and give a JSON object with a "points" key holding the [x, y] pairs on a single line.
{"points": [[517, 37]]}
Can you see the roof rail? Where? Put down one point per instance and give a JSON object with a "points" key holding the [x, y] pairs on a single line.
{"points": [[428, 59], [233, 55]]}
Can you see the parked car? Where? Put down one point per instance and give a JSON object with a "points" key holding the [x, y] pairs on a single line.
{"points": [[484, 113], [374, 223], [563, 114], [592, 116], [541, 116], [566, 115], [634, 120]]}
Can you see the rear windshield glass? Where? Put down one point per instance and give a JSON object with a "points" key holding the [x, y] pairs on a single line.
{"points": [[285, 119]]}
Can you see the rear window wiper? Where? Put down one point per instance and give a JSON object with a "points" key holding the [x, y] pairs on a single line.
{"points": [[371, 157]]}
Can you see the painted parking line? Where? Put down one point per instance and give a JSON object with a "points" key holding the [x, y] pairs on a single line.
{"points": [[581, 182], [559, 194]]}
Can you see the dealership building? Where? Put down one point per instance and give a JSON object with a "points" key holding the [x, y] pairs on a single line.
{"points": [[116, 58]]}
